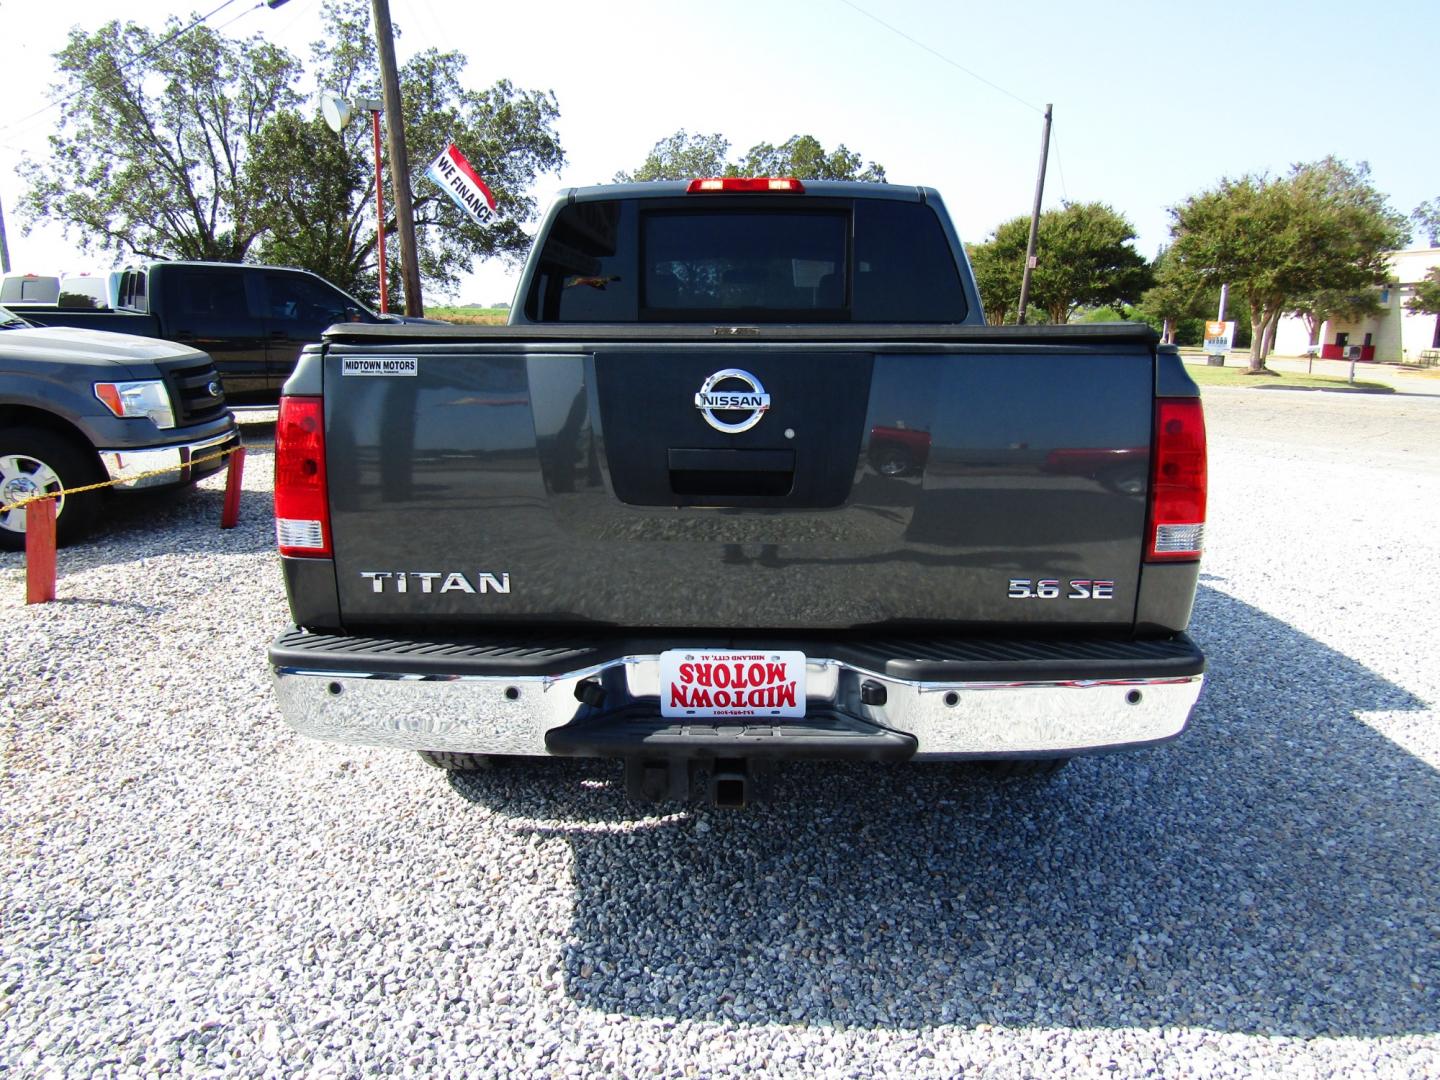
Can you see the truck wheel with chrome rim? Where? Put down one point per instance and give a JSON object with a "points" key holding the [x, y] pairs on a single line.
{"points": [[34, 461]]}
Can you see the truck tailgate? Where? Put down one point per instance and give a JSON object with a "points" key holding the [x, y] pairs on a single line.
{"points": [[887, 483]]}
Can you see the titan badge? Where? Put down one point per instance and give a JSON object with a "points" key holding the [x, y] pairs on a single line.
{"points": [[424, 581]]}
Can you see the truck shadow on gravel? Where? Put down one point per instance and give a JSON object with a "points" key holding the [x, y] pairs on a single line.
{"points": [[1275, 872]]}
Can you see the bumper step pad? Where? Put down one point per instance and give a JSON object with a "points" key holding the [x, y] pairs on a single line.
{"points": [[824, 737], [728, 765]]}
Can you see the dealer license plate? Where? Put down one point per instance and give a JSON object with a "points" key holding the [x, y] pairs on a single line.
{"points": [[711, 683]]}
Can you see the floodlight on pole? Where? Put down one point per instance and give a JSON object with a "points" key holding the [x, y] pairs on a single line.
{"points": [[338, 112]]}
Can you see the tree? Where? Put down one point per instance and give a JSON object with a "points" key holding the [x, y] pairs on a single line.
{"points": [[803, 157], [997, 276], [314, 181], [195, 148], [1084, 257], [683, 156], [1176, 295], [1322, 227], [506, 133], [1426, 217], [1427, 299], [150, 149]]}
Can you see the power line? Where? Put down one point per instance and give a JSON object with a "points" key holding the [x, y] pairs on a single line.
{"points": [[296, 14], [145, 55], [1060, 164], [941, 56], [238, 16], [245, 12]]}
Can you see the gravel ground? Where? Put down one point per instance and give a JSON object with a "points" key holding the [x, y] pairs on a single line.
{"points": [[189, 888]]}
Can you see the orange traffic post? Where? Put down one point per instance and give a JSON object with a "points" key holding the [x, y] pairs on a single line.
{"points": [[230, 515], [40, 552]]}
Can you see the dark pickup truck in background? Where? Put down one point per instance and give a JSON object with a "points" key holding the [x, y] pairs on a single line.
{"points": [[252, 320], [82, 406], [746, 479]]}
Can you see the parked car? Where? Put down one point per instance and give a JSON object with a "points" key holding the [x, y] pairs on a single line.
{"points": [[252, 320], [82, 406], [898, 451]]}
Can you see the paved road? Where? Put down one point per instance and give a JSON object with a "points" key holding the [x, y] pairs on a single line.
{"points": [[1403, 379], [1324, 426]]}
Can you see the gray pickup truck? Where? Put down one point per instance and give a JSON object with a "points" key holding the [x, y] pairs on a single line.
{"points": [[81, 406], [746, 479]]}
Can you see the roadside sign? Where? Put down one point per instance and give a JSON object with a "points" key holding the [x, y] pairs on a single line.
{"points": [[455, 176], [1218, 337]]}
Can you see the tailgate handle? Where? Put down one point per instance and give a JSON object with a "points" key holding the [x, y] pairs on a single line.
{"points": [[762, 461], [732, 473]]}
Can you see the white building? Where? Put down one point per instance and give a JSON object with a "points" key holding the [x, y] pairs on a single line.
{"points": [[1395, 336]]}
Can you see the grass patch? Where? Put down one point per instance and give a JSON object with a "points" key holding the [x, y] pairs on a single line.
{"points": [[1206, 375], [470, 316]]}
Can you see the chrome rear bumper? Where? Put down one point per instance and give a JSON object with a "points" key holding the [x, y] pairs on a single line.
{"points": [[426, 709]]}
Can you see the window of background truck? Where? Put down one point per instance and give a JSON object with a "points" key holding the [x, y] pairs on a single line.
{"points": [[205, 292], [132, 291], [587, 270], [303, 301], [904, 269]]}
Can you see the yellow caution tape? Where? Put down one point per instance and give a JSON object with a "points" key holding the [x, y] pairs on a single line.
{"points": [[18, 503]]}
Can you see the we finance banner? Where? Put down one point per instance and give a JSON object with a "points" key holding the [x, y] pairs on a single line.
{"points": [[463, 184]]}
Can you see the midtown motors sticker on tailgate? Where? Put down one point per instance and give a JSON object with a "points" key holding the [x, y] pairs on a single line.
{"points": [[379, 365], [740, 684]]}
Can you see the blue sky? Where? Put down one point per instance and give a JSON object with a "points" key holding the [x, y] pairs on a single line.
{"points": [[1152, 102]]}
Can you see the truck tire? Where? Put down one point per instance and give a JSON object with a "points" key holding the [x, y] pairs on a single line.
{"points": [[454, 762], [1033, 768], [33, 460]]}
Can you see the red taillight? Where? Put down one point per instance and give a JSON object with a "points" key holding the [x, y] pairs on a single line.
{"points": [[1177, 481], [302, 502], [745, 183]]}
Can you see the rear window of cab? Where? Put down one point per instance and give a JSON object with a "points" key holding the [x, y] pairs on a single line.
{"points": [[775, 260]]}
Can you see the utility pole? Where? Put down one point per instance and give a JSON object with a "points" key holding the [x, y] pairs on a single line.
{"points": [[4, 248], [399, 161], [1035, 218]]}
